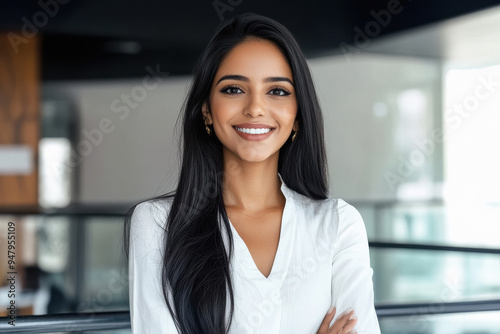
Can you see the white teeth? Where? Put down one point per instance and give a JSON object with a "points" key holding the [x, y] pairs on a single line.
{"points": [[254, 131]]}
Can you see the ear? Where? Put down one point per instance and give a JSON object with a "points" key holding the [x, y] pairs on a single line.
{"points": [[206, 113], [296, 126]]}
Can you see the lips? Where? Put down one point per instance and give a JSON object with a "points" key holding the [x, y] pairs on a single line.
{"points": [[255, 132], [253, 126]]}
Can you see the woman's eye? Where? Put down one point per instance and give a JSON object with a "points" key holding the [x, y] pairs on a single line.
{"points": [[231, 90], [279, 92]]}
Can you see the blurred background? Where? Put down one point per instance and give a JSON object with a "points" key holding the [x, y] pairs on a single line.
{"points": [[90, 93]]}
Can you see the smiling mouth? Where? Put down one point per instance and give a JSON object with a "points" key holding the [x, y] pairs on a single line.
{"points": [[254, 131]]}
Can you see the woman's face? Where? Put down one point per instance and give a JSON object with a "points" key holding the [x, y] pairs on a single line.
{"points": [[252, 101]]}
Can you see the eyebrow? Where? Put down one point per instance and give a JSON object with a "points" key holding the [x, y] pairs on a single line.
{"points": [[243, 78]]}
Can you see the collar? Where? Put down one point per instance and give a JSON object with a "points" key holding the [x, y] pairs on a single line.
{"points": [[284, 188]]}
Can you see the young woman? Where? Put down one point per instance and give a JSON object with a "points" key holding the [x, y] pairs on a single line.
{"points": [[250, 242]]}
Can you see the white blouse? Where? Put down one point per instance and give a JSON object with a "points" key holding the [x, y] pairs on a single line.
{"points": [[322, 260]]}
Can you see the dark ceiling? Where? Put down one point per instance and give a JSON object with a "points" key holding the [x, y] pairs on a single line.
{"points": [[99, 39]]}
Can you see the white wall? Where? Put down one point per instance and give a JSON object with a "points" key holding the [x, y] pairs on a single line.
{"points": [[138, 157]]}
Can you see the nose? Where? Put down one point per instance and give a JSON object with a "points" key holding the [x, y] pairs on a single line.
{"points": [[255, 106]]}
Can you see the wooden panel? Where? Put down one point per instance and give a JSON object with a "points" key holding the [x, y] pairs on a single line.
{"points": [[19, 116]]}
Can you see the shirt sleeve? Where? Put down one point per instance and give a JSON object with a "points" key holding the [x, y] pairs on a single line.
{"points": [[149, 313], [352, 284]]}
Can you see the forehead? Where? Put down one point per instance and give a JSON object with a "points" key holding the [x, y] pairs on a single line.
{"points": [[255, 58]]}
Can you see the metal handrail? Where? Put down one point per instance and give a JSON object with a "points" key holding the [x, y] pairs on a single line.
{"points": [[433, 308], [431, 247], [121, 320], [68, 322]]}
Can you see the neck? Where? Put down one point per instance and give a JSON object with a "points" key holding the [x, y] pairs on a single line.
{"points": [[251, 187]]}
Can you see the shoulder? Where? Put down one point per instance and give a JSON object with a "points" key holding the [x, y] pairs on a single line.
{"points": [[334, 216], [151, 211], [148, 219], [321, 210], [313, 207], [347, 213], [339, 211]]}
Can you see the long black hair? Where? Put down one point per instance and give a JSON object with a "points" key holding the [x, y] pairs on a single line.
{"points": [[196, 267]]}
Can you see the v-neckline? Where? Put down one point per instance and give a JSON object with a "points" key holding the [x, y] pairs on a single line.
{"points": [[283, 253], [249, 254]]}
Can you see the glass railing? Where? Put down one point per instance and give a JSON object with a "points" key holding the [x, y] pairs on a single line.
{"points": [[471, 224], [73, 268]]}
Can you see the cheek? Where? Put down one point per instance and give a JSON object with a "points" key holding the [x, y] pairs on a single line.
{"points": [[288, 113], [223, 109], [287, 107]]}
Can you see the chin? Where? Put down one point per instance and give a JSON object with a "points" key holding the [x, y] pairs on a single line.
{"points": [[254, 159], [252, 154], [259, 157]]}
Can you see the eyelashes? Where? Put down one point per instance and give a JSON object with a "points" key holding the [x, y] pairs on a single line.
{"points": [[281, 90], [231, 90], [234, 90]]}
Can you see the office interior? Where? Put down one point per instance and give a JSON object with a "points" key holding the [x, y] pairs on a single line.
{"points": [[90, 97]]}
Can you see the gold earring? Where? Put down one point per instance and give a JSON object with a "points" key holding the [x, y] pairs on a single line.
{"points": [[295, 134], [207, 128]]}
